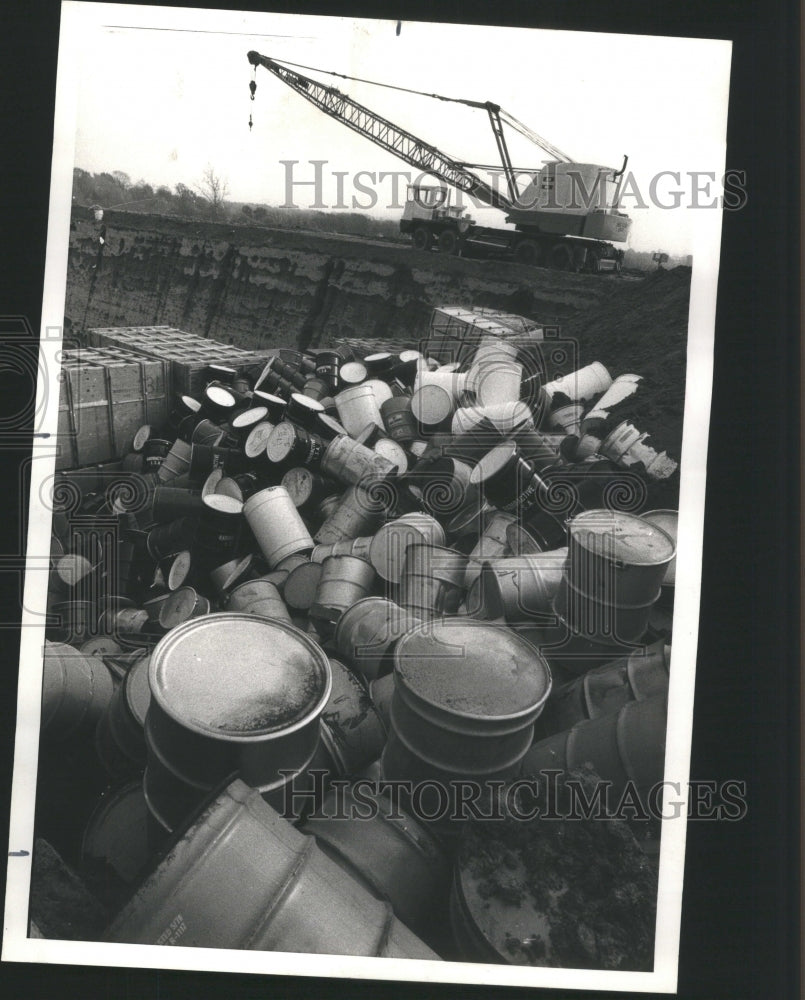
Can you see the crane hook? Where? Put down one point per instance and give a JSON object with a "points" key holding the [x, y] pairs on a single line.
{"points": [[252, 88]]}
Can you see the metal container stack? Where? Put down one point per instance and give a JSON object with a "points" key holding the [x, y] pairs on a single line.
{"points": [[321, 571]]}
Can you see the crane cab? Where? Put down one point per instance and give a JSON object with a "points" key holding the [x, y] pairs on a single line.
{"points": [[431, 202], [573, 199]]}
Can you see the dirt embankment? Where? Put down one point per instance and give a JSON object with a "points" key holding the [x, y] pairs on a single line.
{"points": [[259, 287]]}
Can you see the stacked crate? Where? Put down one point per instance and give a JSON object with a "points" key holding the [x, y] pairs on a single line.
{"points": [[517, 324], [455, 333], [106, 394], [187, 354]]}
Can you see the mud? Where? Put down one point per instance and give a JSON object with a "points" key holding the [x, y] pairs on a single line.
{"points": [[568, 892]]}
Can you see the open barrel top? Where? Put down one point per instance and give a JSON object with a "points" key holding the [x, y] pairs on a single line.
{"points": [[239, 675], [472, 669]]}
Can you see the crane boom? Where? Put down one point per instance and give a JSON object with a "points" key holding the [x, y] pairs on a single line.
{"points": [[408, 147]]}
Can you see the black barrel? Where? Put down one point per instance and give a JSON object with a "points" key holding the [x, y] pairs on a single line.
{"points": [[170, 503], [327, 365], [219, 528], [289, 446], [398, 419], [168, 539], [243, 422], [207, 432], [303, 410], [218, 401], [507, 479], [275, 405], [154, 450], [204, 458]]}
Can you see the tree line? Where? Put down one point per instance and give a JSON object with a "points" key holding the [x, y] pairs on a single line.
{"points": [[208, 200]]}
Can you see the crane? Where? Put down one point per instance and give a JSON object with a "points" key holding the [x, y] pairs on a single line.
{"points": [[566, 216]]}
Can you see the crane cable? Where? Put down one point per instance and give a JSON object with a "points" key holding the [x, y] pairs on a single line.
{"points": [[530, 134], [510, 120]]}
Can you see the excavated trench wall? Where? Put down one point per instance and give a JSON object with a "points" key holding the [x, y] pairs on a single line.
{"points": [[259, 286]]}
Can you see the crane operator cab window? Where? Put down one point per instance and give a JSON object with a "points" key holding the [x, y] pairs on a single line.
{"points": [[428, 201]]}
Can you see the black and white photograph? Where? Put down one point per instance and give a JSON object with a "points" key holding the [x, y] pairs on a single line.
{"points": [[363, 527]]}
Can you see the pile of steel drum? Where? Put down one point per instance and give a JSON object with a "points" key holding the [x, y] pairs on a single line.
{"points": [[306, 623]]}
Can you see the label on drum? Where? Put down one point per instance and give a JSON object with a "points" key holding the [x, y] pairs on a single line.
{"points": [[282, 442], [524, 501], [315, 448], [299, 484], [258, 439]]}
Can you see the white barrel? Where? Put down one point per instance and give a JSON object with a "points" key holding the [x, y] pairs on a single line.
{"points": [[520, 588], [392, 452], [432, 581], [382, 390], [357, 408], [582, 384], [289, 563], [493, 544], [258, 597], [389, 545], [622, 388], [432, 407], [350, 462], [367, 631], [357, 514], [276, 524], [358, 547], [73, 568], [454, 383], [668, 520], [224, 577], [491, 350], [567, 418], [344, 581], [498, 382], [657, 466], [616, 444], [506, 417]]}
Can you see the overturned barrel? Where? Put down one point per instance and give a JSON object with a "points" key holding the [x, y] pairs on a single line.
{"points": [[385, 849], [625, 748], [119, 739], [258, 597], [367, 632], [606, 689], [432, 581], [76, 691], [200, 879], [618, 557], [276, 524], [344, 580], [520, 588]]}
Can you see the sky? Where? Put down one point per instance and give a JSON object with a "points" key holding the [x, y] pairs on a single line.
{"points": [[164, 92]]}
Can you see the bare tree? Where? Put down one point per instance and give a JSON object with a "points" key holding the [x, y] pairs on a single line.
{"points": [[214, 189]]}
